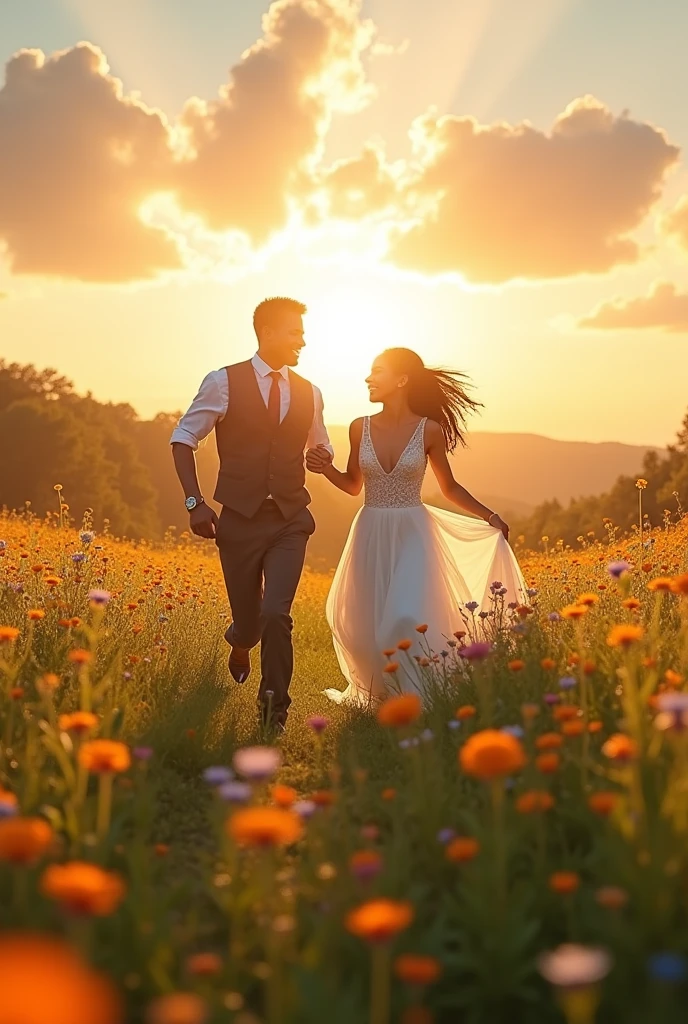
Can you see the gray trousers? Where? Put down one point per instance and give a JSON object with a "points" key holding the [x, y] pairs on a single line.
{"points": [[262, 561]]}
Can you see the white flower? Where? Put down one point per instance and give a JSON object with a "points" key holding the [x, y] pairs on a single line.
{"points": [[571, 966], [257, 763]]}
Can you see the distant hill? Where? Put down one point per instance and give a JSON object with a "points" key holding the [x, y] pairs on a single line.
{"points": [[509, 472]]}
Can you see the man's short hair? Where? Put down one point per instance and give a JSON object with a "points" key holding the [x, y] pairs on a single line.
{"points": [[268, 312]]}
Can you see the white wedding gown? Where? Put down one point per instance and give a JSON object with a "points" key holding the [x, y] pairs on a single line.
{"points": [[406, 563]]}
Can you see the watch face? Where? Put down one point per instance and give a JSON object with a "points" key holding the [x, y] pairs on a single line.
{"points": [[191, 504]]}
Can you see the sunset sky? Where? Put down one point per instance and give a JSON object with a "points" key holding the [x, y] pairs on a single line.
{"points": [[502, 186]]}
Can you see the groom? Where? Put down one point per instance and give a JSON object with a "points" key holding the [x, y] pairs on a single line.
{"points": [[264, 416]]}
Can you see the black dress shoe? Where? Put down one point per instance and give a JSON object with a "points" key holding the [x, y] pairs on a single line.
{"points": [[239, 667]]}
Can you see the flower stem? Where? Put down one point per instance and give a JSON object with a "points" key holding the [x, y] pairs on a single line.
{"points": [[380, 992], [104, 804]]}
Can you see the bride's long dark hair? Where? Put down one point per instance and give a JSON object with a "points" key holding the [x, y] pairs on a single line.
{"points": [[441, 395]]}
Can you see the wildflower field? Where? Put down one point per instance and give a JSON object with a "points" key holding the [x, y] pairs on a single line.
{"points": [[517, 850]]}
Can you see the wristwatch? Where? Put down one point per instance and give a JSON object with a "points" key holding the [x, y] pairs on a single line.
{"points": [[192, 503]]}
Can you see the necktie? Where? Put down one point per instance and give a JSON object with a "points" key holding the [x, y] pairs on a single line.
{"points": [[274, 400]]}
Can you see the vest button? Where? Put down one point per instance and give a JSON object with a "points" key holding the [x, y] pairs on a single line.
{"points": [[272, 476]]}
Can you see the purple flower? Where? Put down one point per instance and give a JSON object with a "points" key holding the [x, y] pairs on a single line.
{"points": [[99, 597], [477, 651], [365, 870], [3, 545], [216, 775], [78, 556], [497, 585], [126, 675], [617, 569], [567, 682], [427, 735], [471, 606], [551, 698], [142, 753], [304, 808], [234, 792], [673, 711], [554, 616], [8, 808], [532, 592], [483, 615], [453, 723], [513, 730], [86, 536], [445, 835], [318, 723], [257, 763]]}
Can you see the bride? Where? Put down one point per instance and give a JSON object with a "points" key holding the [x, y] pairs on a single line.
{"points": [[406, 563]]}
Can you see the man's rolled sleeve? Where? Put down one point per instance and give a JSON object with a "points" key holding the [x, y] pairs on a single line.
{"points": [[209, 406]]}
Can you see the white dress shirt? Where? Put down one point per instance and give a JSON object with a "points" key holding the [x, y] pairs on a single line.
{"points": [[211, 403]]}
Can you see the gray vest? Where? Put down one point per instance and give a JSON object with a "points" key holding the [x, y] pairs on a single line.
{"points": [[255, 459]]}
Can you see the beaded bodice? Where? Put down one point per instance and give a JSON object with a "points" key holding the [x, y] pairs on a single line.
{"points": [[400, 488]]}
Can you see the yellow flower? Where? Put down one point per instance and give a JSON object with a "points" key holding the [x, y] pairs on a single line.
{"points": [[641, 484]]}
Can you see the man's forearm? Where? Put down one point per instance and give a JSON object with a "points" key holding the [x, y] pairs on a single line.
{"points": [[185, 464]]}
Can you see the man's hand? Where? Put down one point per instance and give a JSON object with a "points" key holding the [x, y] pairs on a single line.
{"points": [[499, 524], [203, 521], [318, 459]]}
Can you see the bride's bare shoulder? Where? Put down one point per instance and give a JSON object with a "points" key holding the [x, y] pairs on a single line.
{"points": [[356, 429], [433, 431]]}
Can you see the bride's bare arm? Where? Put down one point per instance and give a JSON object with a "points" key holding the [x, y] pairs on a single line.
{"points": [[452, 490], [350, 481]]}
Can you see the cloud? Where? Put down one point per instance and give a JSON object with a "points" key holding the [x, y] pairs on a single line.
{"points": [[664, 308], [251, 144], [505, 202], [675, 223], [77, 159], [355, 188], [80, 160]]}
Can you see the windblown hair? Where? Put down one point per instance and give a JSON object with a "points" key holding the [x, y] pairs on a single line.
{"points": [[268, 312], [441, 395]]}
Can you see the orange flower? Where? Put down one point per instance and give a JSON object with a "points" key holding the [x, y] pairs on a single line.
{"points": [[595, 725], [422, 628], [8, 800], [574, 728], [161, 849], [379, 920], [565, 712], [548, 741], [405, 645], [490, 754], [660, 583], [517, 665], [530, 711], [322, 797], [80, 656], [391, 666], [388, 794], [398, 711], [264, 826], [203, 965], [624, 635], [283, 796], [49, 681], [611, 897], [462, 849], [177, 1008], [16, 693], [589, 667], [83, 888], [673, 678], [44, 981], [588, 600], [389, 651], [547, 763], [465, 711], [417, 970], [548, 664], [78, 722], [620, 748], [8, 634], [24, 840], [564, 882], [573, 611], [534, 801], [365, 864], [53, 581], [104, 756], [603, 802], [631, 604], [35, 614], [679, 584]]}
